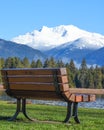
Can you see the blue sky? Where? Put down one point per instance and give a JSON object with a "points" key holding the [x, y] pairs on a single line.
{"points": [[18, 17]]}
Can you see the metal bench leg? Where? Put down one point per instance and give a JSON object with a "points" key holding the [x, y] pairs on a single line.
{"points": [[21, 107], [24, 109], [75, 112], [69, 106], [17, 110]]}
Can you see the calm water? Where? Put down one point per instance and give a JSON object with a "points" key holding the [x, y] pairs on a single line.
{"points": [[99, 103]]}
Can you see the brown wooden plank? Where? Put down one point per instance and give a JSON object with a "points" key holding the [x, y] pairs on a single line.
{"points": [[37, 95], [62, 71], [79, 98], [76, 98], [40, 87], [64, 87], [40, 79], [86, 91], [37, 71], [88, 97], [66, 95], [31, 79], [63, 79], [72, 97], [92, 97]]}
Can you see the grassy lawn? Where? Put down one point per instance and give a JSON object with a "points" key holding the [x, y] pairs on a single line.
{"points": [[91, 119]]}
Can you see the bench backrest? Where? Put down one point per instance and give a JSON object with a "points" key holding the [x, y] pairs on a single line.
{"points": [[35, 83]]}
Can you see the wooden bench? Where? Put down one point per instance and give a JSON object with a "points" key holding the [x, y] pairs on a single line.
{"points": [[44, 84]]}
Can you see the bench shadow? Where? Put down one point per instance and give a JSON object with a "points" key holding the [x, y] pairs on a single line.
{"points": [[4, 117], [35, 121]]}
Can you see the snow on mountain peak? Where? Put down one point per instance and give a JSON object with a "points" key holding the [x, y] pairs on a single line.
{"points": [[88, 43], [47, 38]]}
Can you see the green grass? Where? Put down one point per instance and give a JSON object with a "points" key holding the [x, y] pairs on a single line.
{"points": [[91, 119]]}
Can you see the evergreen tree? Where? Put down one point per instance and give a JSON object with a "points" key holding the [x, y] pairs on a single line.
{"points": [[26, 63], [1, 66], [46, 63], [72, 67], [77, 80], [9, 63], [82, 76], [2, 61], [71, 70], [33, 64], [90, 79], [83, 66], [18, 63], [51, 63], [60, 64], [39, 64], [97, 77]]}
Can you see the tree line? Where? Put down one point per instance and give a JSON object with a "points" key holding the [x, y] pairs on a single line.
{"points": [[83, 77]]}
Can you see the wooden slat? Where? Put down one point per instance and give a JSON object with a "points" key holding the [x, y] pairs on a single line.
{"points": [[40, 87], [82, 98], [66, 95], [78, 97], [87, 91], [40, 79], [63, 79], [92, 97], [31, 79], [37, 95], [37, 71]]}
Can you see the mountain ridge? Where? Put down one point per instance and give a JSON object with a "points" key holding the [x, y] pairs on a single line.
{"points": [[48, 38], [12, 49]]}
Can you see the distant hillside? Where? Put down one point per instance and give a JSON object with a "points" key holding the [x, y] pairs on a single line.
{"points": [[97, 57], [11, 49]]}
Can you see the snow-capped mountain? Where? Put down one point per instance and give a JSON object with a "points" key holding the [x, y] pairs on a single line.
{"points": [[69, 51], [66, 42], [48, 38]]}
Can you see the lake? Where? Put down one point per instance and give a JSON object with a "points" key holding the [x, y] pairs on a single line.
{"points": [[99, 103]]}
